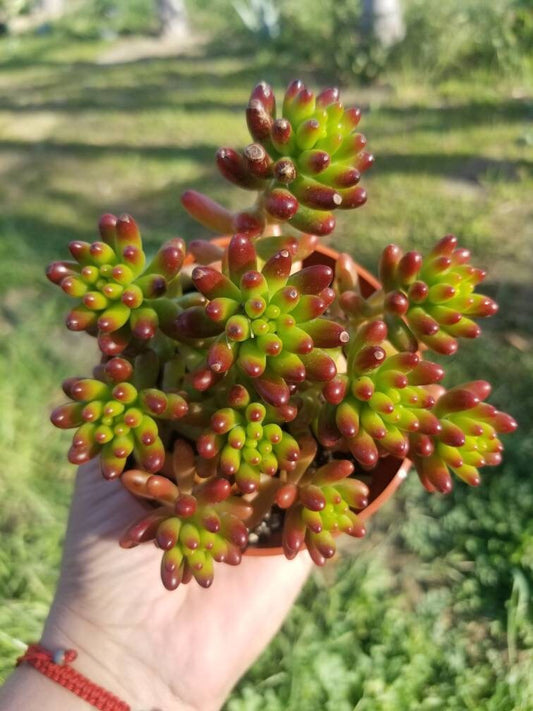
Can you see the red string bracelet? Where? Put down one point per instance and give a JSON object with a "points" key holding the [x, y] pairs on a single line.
{"points": [[56, 666]]}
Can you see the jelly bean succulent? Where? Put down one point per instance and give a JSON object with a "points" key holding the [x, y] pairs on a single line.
{"points": [[254, 386]]}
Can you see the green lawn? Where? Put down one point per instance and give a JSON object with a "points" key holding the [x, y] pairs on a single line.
{"points": [[433, 610]]}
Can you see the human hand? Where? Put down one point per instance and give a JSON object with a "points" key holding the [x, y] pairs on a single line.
{"points": [[154, 648]]}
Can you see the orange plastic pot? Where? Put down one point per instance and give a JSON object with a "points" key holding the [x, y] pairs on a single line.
{"points": [[390, 472]]}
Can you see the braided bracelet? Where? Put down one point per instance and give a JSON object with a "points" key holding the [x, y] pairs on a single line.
{"points": [[56, 666]]}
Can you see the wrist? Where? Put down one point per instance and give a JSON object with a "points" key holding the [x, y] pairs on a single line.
{"points": [[107, 659]]}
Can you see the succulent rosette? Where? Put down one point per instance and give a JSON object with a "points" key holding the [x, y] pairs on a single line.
{"points": [[380, 400], [195, 524], [312, 152], [115, 419], [325, 507], [434, 296], [245, 443], [466, 441], [120, 296], [306, 163], [244, 384], [268, 322]]}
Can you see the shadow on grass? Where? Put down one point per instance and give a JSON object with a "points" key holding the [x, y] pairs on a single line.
{"points": [[159, 95], [461, 115], [29, 241], [154, 74], [468, 166], [204, 154], [154, 79], [120, 99]]}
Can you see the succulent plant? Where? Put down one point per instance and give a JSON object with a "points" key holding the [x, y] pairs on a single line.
{"points": [[267, 323], [251, 388], [195, 526], [120, 296], [114, 419], [466, 441], [380, 400], [435, 296], [306, 163], [322, 504], [245, 444]]}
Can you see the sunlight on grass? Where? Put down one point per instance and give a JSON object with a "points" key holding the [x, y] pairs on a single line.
{"points": [[35, 479]]}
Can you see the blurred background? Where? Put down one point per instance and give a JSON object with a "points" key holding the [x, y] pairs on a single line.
{"points": [[119, 105]]}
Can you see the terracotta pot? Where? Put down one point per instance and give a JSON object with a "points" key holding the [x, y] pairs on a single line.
{"points": [[390, 472]]}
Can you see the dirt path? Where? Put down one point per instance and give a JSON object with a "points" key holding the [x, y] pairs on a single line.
{"points": [[131, 49]]}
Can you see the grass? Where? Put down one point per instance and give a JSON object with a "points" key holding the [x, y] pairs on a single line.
{"points": [[433, 609]]}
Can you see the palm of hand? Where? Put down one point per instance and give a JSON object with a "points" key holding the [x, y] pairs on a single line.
{"points": [[190, 645]]}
